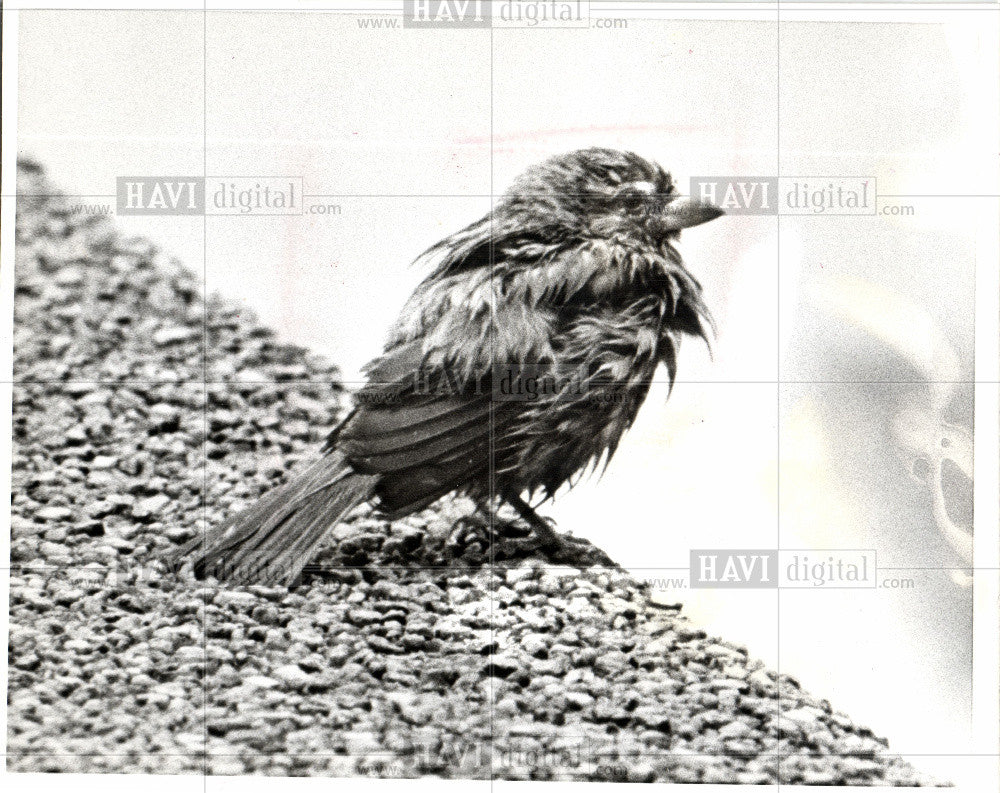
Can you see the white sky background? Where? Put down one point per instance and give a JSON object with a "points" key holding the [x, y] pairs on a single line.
{"points": [[406, 113]]}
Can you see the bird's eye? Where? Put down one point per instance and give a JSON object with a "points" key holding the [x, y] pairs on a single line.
{"points": [[636, 196], [633, 202]]}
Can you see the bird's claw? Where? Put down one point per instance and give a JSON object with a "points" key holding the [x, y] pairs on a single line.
{"points": [[577, 553], [475, 538], [469, 538]]}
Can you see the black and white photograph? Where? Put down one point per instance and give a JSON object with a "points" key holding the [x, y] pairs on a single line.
{"points": [[418, 392]]}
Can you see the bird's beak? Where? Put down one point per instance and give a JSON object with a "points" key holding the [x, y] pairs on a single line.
{"points": [[684, 212]]}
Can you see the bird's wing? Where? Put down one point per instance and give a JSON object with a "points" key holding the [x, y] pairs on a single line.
{"points": [[424, 433], [427, 419]]}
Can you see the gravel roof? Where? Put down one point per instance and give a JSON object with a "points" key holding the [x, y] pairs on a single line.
{"points": [[141, 412]]}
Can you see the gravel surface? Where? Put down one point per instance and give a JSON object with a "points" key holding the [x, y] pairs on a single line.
{"points": [[400, 655]]}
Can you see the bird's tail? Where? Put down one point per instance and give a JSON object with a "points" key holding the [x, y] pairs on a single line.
{"points": [[272, 540]]}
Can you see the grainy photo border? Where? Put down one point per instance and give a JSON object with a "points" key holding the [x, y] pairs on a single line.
{"points": [[986, 569]]}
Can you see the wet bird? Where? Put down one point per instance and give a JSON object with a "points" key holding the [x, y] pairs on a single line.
{"points": [[516, 365]]}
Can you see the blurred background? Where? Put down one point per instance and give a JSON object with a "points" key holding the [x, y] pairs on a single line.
{"points": [[837, 409]]}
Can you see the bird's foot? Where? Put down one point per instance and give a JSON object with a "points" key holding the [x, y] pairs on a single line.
{"points": [[482, 537], [558, 548], [479, 539], [572, 551], [469, 539]]}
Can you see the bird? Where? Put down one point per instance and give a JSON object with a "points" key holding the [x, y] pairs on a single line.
{"points": [[515, 366]]}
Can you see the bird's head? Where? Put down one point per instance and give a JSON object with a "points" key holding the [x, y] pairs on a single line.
{"points": [[585, 195], [603, 193]]}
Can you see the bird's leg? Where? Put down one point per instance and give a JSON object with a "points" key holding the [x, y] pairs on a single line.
{"points": [[474, 534], [558, 547], [546, 535]]}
